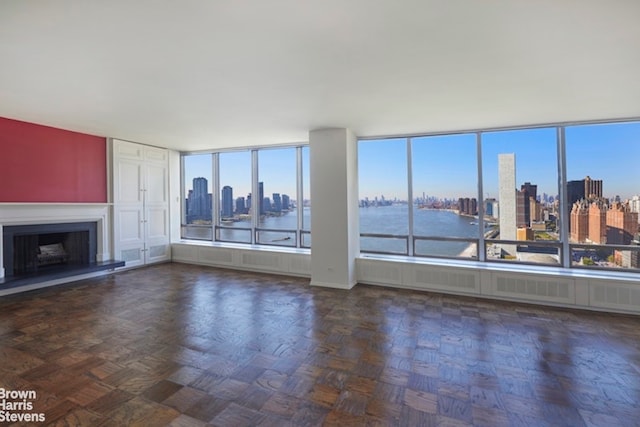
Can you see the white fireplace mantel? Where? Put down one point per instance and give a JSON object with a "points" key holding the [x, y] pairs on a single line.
{"points": [[52, 213]]}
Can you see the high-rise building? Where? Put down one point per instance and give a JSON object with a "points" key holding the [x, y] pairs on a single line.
{"points": [[266, 204], [592, 188], [613, 224], [522, 209], [467, 206], [240, 206], [200, 186], [527, 204], [575, 191], [286, 201], [530, 189], [634, 205], [261, 198], [507, 198], [598, 222], [199, 201], [489, 207], [622, 224], [277, 203], [535, 210], [587, 188], [580, 221], [227, 202]]}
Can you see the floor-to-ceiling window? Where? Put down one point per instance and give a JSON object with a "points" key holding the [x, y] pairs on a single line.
{"points": [[520, 172], [304, 192], [383, 193], [277, 180], [259, 196], [554, 195], [237, 204], [197, 212], [445, 201], [603, 194]]}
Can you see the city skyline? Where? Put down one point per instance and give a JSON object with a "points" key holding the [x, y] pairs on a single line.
{"points": [[199, 202], [591, 150], [276, 165]]}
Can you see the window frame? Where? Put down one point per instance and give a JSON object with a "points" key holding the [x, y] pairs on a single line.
{"points": [[254, 229], [564, 245]]}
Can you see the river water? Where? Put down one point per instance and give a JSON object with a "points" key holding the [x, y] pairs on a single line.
{"points": [[394, 219], [378, 220]]}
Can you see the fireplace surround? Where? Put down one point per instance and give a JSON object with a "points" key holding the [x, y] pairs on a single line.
{"points": [[37, 248], [61, 259]]}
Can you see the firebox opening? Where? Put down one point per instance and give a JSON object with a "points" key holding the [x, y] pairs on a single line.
{"points": [[34, 249], [34, 253]]}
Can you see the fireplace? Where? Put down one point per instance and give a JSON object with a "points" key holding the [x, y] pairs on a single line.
{"points": [[36, 249], [61, 241]]}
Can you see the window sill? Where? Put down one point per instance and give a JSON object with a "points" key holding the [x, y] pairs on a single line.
{"points": [[243, 246], [506, 267]]}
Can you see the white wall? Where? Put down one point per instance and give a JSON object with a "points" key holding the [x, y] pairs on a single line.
{"points": [[334, 199], [175, 195]]}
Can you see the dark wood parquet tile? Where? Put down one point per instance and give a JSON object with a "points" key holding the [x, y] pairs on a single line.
{"points": [[184, 345]]}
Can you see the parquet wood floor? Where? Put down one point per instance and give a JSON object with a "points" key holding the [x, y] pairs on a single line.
{"points": [[184, 345]]}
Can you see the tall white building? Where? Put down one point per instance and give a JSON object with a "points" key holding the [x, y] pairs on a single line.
{"points": [[634, 205], [507, 198]]}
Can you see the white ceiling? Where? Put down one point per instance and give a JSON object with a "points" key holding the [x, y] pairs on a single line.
{"points": [[194, 75]]}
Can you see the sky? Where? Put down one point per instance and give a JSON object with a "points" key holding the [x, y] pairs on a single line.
{"points": [[446, 166], [277, 170]]}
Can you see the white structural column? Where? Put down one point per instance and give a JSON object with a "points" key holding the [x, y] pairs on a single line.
{"points": [[334, 198]]}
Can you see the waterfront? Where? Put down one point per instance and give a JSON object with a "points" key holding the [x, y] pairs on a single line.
{"points": [[392, 220], [287, 222]]}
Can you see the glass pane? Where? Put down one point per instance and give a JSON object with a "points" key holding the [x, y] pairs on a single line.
{"points": [[383, 189], [306, 190], [388, 245], [235, 195], [278, 238], [198, 200], [277, 173], [520, 180], [447, 249], [197, 232], [445, 189], [528, 252], [233, 234], [603, 257], [603, 186], [306, 240], [603, 189]]}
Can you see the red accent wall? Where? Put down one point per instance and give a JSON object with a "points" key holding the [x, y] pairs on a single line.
{"points": [[44, 164]]}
